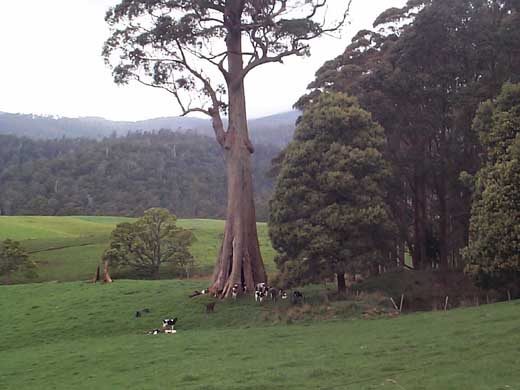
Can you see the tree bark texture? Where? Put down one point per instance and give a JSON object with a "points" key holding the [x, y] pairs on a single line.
{"points": [[342, 285], [96, 276], [106, 274], [419, 255], [239, 261], [444, 243]]}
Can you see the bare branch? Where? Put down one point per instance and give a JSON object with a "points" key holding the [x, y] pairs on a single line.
{"points": [[266, 59], [210, 59]]}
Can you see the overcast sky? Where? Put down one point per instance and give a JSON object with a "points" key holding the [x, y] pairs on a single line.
{"points": [[51, 63]]}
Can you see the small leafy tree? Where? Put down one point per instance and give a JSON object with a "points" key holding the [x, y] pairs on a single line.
{"points": [[152, 240], [328, 214], [493, 253], [13, 258]]}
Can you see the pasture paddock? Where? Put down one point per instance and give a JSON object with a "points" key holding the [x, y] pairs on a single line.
{"points": [[70, 248], [84, 336]]}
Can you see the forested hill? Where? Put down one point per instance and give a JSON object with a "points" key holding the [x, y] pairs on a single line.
{"points": [[276, 129], [183, 172]]}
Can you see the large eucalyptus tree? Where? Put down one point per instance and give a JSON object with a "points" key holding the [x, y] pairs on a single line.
{"points": [[184, 47]]}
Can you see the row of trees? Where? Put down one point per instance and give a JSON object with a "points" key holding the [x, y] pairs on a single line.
{"points": [[121, 176], [422, 74]]}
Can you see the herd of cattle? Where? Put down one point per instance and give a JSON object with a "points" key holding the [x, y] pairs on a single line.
{"points": [[262, 292]]}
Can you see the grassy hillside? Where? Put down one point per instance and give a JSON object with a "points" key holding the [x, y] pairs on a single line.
{"points": [[84, 336], [69, 248]]}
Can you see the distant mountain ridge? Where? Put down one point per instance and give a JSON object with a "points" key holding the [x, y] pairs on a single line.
{"points": [[275, 129]]}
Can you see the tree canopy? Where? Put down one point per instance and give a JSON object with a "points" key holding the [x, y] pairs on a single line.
{"points": [[328, 215], [184, 47], [152, 240], [422, 72], [493, 253]]}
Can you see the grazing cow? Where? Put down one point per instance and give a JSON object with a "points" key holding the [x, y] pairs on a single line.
{"points": [[283, 294], [260, 296], [234, 290], [297, 297], [210, 307], [273, 293]]}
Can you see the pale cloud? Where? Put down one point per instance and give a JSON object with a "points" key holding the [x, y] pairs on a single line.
{"points": [[51, 63]]}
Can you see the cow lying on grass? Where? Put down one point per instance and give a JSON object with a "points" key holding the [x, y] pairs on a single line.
{"points": [[197, 293]]}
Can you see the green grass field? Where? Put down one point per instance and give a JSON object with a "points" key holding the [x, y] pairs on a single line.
{"points": [[84, 336], [79, 335], [69, 248]]}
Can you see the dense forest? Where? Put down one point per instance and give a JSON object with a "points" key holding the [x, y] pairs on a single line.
{"points": [[182, 172], [422, 74]]}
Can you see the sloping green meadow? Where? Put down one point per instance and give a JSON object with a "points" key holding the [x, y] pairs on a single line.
{"points": [[85, 336], [69, 248]]}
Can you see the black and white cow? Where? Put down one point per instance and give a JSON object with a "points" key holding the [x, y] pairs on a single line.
{"points": [[171, 323], [297, 297], [235, 290], [259, 296]]}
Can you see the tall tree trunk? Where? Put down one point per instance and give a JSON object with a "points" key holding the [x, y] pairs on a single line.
{"points": [[106, 274], [239, 260], [443, 224], [419, 255], [155, 273], [96, 276], [342, 285]]}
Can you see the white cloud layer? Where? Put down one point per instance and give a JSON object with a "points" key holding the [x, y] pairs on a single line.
{"points": [[51, 63]]}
